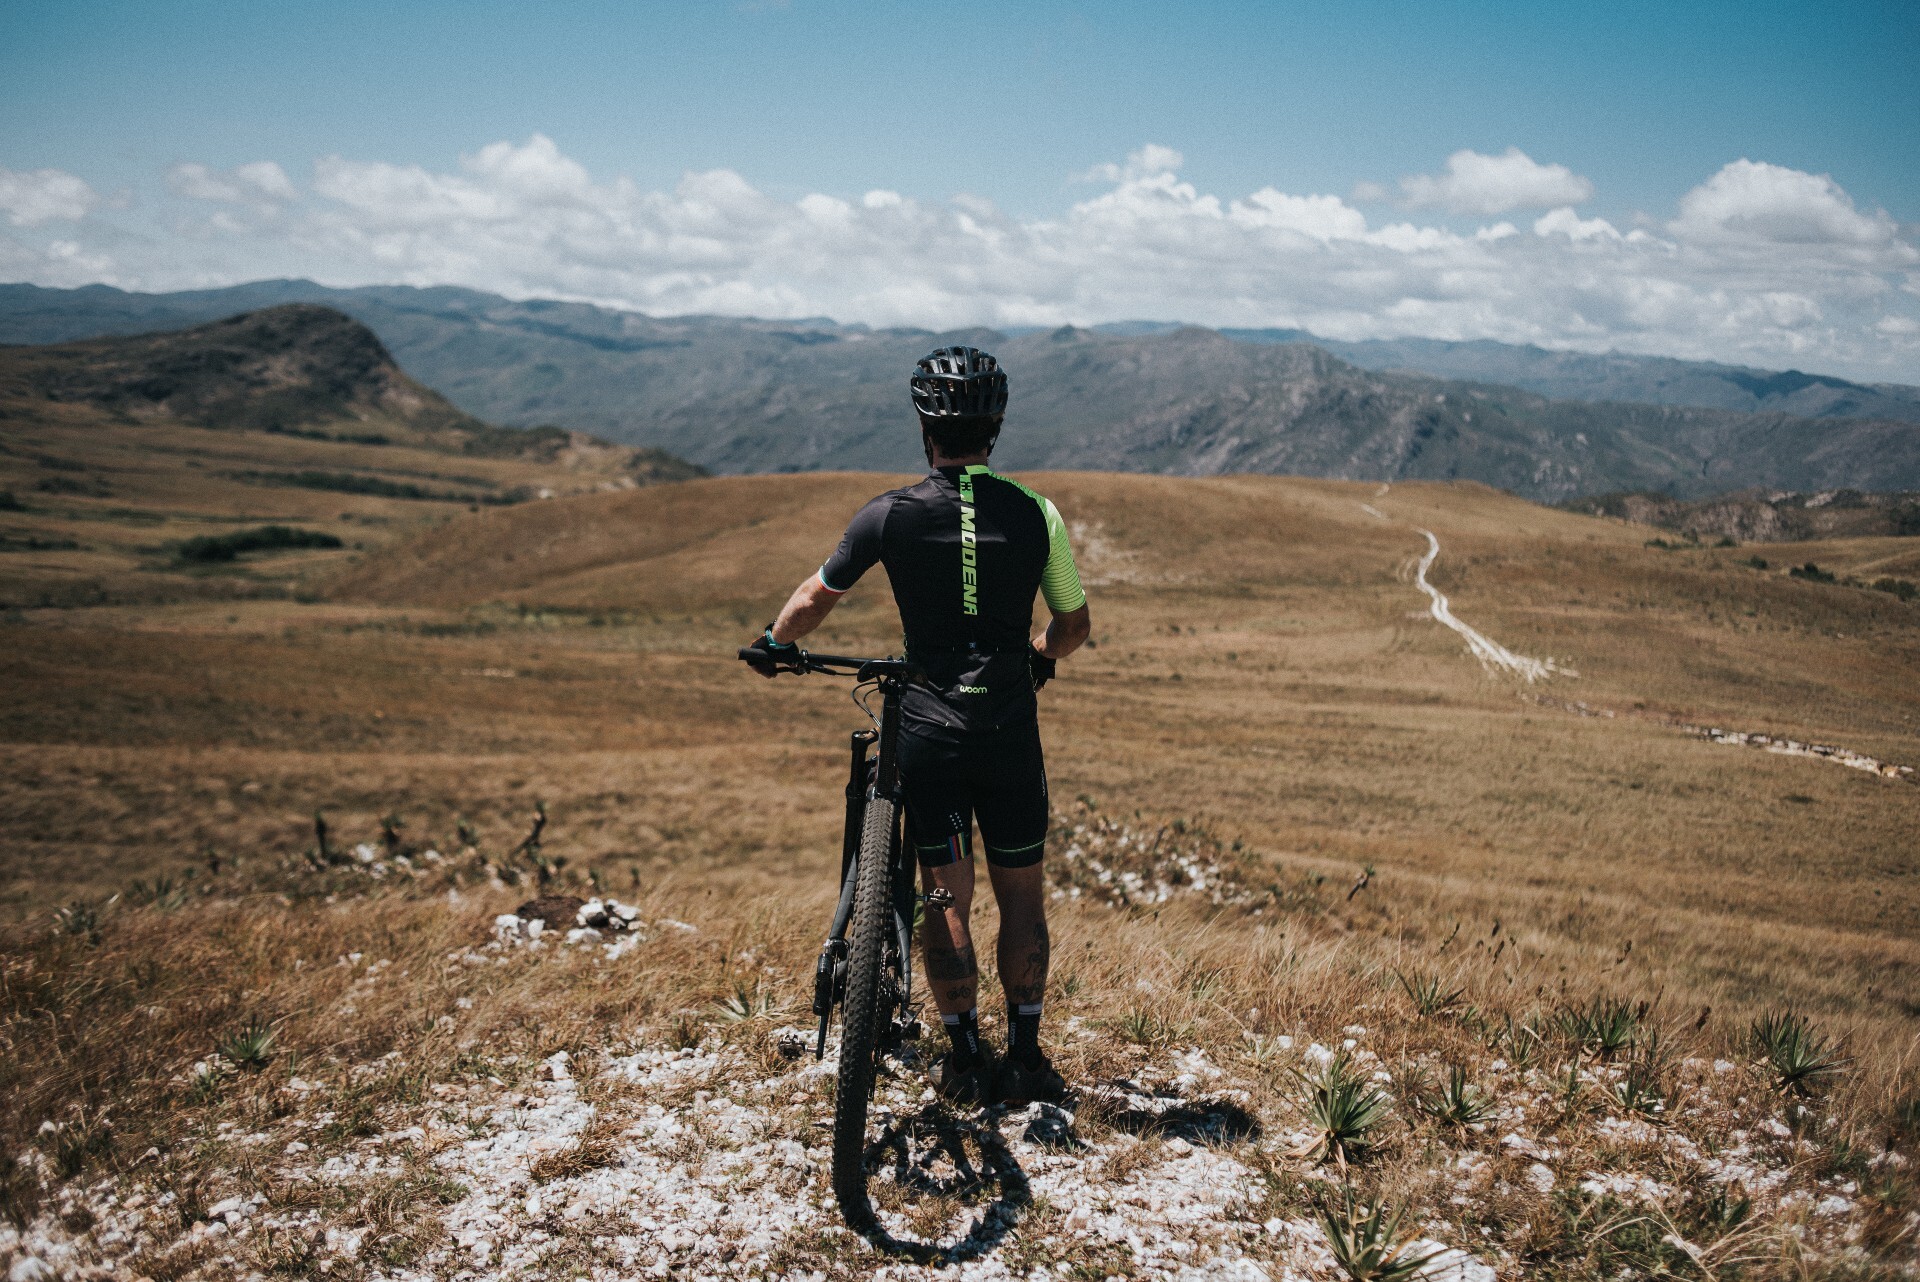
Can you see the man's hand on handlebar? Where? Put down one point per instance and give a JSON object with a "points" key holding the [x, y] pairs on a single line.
{"points": [[767, 656]]}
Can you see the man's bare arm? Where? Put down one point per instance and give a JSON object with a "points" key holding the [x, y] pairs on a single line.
{"points": [[810, 603], [1065, 633]]}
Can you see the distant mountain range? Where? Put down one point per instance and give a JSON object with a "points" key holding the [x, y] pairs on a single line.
{"points": [[1580, 376], [755, 396]]}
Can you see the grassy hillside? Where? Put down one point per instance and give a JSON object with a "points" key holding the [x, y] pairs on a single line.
{"points": [[1268, 702], [1763, 516], [144, 469]]}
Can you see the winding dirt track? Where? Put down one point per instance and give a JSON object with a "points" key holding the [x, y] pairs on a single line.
{"points": [[1490, 652], [1492, 655], [1495, 657]]}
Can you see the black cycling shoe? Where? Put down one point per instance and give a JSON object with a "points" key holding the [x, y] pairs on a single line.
{"points": [[1026, 1084], [967, 1087]]}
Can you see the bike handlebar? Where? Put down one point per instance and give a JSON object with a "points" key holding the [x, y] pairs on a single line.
{"points": [[840, 665]]}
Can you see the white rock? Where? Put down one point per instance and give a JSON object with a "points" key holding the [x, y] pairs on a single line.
{"points": [[1452, 1264]]}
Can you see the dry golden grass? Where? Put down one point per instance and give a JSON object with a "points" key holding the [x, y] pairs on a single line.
{"points": [[1264, 666], [108, 499]]}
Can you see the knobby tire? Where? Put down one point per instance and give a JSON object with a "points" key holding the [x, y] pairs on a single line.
{"points": [[861, 1016]]}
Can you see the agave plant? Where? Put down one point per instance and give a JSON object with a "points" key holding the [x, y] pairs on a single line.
{"points": [[1519, 1040], [251, 1046], [1144, 1028], [1430, 997], [1798, 1059], [1570, 1088], [1605, 1026], [80, 918], [745, 1002], [1366, 1239], [1344, 1106], [1640, 1090], [1458, 1102]]}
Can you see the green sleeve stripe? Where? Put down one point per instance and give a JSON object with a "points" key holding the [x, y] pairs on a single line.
{"points": [[1060, 582]]}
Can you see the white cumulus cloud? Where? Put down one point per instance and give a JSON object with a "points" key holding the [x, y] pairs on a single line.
{"points": [[42, 195], [1479, 184], [260, 182], [1758, 265], [1747, 201], [1564, 222], [1147, 161]]}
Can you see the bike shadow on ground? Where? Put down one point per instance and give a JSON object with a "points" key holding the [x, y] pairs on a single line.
{"points": [[1154, 1111], [937, 1152]]}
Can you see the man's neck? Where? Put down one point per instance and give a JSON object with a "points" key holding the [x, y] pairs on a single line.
{"points": [[968, 460]]}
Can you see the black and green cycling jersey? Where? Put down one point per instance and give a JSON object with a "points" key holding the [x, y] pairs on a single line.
{"points": [[965, 550]]}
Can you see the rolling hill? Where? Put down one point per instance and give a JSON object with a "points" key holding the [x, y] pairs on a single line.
{"points": [[755, 396], [143, 468]]}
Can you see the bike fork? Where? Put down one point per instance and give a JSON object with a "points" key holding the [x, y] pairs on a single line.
{"points": [[830, 972]]}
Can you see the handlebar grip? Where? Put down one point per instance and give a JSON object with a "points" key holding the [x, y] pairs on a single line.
{"points": [[747, 653]]}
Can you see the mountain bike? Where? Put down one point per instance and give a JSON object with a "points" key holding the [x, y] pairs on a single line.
{"points": [[866, 965]]}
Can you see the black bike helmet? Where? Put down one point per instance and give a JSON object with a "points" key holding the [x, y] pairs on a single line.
{"points": [[959, 382]]}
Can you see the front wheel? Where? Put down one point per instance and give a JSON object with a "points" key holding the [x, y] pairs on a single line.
{"points": [[861, 1017]]}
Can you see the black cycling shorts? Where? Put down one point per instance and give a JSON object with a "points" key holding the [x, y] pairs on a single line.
{"points": [[999, 780]]}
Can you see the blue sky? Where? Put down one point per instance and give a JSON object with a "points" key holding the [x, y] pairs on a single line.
{"points": [[1010, 104], [1645, 99]]}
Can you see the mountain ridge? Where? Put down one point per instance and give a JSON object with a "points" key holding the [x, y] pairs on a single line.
{"points": [[32, 314], [763, 396]]}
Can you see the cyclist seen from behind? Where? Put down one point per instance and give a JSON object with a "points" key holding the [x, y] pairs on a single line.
{"points": [[966, 550]]}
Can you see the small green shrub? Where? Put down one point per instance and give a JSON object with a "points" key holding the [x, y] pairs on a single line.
{"points": [[1605, 1026], [1458, 1102], [1429, 996], [1344, 1106], [745, 1002], [80, 919], [1366, 1239], [1812, 573], [211, 549], [251, 1046], [1798, 1059], [1144, 1028]]}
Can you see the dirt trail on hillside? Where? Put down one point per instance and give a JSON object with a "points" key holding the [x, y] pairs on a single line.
{"points": [[1492, 655], [1490, 652], [1495, 657]]}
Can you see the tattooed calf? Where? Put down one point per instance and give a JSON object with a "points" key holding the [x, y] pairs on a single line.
{"points": [[1039, 951], [951, 963]]}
